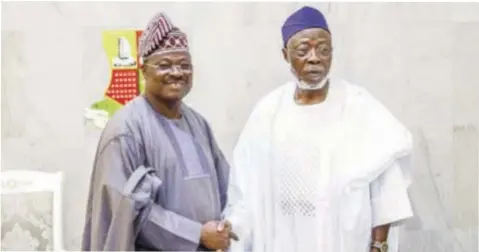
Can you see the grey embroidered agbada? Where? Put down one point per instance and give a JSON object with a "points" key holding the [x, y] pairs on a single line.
{"points": [[155, 182]]}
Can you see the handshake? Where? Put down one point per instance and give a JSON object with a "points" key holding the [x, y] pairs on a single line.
{"points": [[217, 234]]}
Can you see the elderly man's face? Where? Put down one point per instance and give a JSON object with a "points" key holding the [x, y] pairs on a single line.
{"points": [[310, 54], [168, 76]]}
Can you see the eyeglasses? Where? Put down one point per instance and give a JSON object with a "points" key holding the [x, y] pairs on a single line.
{"points": [[167, 67], [322, 51]]}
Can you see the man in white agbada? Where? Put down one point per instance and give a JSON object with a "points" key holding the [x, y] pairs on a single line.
{"points": [[321, 165]]}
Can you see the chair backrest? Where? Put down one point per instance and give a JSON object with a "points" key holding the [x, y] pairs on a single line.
{"points": [[28, 214]]}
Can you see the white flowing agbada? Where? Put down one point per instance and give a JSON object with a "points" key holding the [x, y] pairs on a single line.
{"points": [[319, 177]]}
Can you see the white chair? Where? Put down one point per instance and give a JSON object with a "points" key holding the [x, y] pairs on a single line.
{"points": [[31, 211]]}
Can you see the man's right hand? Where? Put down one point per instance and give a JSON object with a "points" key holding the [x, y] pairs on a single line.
{"points": [[225, 226], [212, 238]]}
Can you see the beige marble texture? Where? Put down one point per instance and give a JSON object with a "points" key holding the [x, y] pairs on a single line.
{"points": [[420, 59]]}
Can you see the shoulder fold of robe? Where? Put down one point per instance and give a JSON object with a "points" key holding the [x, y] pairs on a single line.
{"points": [[111, 213]]}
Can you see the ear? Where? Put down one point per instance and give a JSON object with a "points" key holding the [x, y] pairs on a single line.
{"points": [[143, 69], [285, 54]]}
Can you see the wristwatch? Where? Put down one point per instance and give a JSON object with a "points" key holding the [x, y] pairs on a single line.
{"points": [[381, 246]]}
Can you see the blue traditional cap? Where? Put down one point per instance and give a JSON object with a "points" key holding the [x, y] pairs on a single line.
{"points": [[304, 18]]}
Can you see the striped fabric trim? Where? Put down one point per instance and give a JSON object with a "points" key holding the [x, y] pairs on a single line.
{"points": [[156, 30]]}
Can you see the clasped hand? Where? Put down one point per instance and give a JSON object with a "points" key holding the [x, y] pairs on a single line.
{"points": [[217, 234]]}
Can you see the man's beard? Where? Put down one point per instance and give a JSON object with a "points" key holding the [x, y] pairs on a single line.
{"points": [[307, 86]]}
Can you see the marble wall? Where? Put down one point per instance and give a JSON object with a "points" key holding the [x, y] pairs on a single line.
{"points": [[417, 58]]}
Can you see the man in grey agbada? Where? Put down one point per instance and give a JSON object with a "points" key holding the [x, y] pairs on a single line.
{"points": [[159, 180]]}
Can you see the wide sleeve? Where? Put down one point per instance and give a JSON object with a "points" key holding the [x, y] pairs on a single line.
{"points": [[389, 194], [240, 211], [390, 201], [243, 182], [121, 207]]}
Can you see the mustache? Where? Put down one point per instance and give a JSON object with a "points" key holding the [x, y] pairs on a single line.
{"points": [[175, 79], [314, 69]]}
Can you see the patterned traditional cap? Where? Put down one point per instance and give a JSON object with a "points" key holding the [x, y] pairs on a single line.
{"points": [[161, 35], [304, 18]]}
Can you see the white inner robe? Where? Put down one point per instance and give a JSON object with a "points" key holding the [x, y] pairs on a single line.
{"points": [[319, 177]]}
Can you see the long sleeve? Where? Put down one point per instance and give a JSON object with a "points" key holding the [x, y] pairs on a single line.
{"points": [[120, 209]]}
